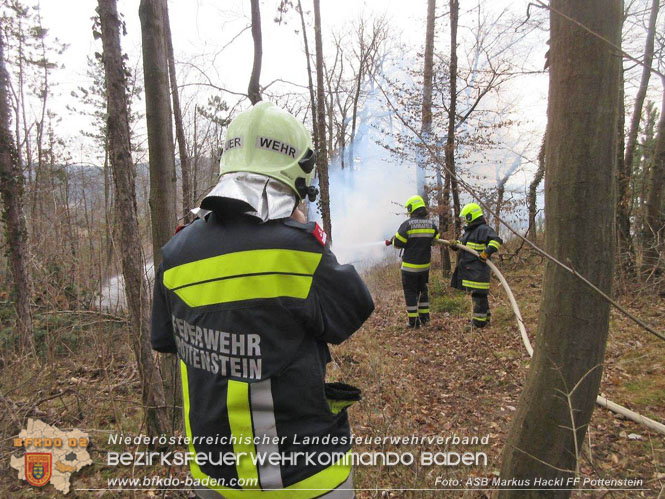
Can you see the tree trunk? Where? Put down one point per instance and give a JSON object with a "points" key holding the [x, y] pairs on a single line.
{"points": [[160, 133], [254, 91], [533, 191], [655, 220], [452, 114], [356, 99], [426, 123], [312, 100], [565, 373], [185, 168], [127, 224], [626, 249], [322, 158], [16, 235], [500, 191]]}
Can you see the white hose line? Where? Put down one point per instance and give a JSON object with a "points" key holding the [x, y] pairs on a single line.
{"points": [[601, 401]]}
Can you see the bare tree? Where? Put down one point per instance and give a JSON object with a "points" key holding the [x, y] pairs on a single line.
{"points": [[426, 120], [322, 158], [254, 90], [127, 233], [562, 383], [16, 235], [160, 130], [310, 84], [368, 47], [626, 249], [452, 114], [533, 190], [654, 231], [185, 168]]}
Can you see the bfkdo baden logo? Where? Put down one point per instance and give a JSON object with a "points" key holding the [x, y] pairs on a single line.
{"points": [[50, 456], [38, 468]]}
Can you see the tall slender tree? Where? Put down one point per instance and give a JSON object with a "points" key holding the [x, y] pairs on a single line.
{"points": [[310, 83], [185, 168], [426, 117], [532, 199], [654, 227], [558, 399], [626, 250], [322, 158], [16, 235], [160, 130], [254, 90], [452, 116], [127, 223]]}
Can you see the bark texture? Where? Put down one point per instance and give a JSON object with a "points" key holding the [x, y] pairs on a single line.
{"points": [[160, 131], [580, 161], [654, 231], [185, 167], [254, 90], [127, 224], [626, 249], [16, 235], [322, 158]]}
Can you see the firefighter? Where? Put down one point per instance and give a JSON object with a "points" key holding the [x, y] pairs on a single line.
{"points": [[249, 297], [472, 273], [415, 237]]}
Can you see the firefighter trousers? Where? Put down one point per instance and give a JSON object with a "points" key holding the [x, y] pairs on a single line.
{"points": [[416, 296], [481, 309]]}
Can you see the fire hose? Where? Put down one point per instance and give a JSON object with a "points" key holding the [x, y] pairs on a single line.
{"points": [[601, 401]]}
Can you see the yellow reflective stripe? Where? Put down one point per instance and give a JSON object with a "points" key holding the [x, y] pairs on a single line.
{"points": [[242, 262], [494, 244], [423, 310], [184, 380], [245, 288], [400, 237], [476, 246], [420, 231], [240, 421], [413, 314], [415, 265], [474, 284], [323, 481]]}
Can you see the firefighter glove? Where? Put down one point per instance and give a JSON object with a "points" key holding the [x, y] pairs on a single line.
{"points": [[483, 256]]}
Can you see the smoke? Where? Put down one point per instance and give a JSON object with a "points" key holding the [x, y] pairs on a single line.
{"points": [[367, 196], [113, 298]]}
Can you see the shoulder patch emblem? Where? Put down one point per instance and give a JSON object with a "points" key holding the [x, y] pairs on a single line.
{"points": [[320, 235]]}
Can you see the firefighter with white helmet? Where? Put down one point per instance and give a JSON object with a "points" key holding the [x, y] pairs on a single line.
{"points": [[248, 297]]}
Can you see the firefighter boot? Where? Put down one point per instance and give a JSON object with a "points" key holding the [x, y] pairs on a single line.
{"points": [[481, 307]]}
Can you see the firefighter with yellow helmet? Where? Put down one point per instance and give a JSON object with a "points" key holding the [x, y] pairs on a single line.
{"points": [[472, 273], [249, 296], [415, 237]]}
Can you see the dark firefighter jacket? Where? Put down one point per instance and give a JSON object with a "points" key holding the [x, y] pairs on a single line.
{"points": [[471, 273], [415, 236], [249, 309]]}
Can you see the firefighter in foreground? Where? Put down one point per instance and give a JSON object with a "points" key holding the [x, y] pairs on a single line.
{"points": [[472, 273], [415, 236], [248, 296]]}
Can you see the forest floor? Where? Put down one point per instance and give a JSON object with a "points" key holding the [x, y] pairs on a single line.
{"points": [[435, 381]]}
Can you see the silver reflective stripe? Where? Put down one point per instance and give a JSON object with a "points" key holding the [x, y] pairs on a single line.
{"points": [[343, 491], [479, 314], [263, 417], [411, 269], [431, 235], [423, 304], [411, 309]]}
